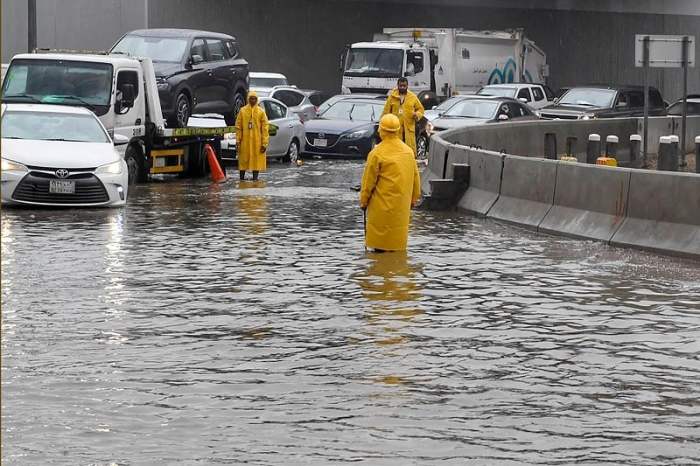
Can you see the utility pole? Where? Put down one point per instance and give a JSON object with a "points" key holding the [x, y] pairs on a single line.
{"points": [[31, 25]]}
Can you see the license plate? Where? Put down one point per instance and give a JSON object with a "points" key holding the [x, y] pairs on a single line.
{"points": [[320, 142], [62, 187]]}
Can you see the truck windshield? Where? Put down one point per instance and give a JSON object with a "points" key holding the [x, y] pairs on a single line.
{"points": [[589, 97], [78, 83], [383, 63], [51, 126], [158, 49]]}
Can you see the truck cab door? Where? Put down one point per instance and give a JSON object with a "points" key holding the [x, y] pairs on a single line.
{"points": [[418, 70], [129, 116]]}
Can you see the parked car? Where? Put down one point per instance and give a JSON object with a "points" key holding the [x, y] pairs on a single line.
{"points": [[584, 103], [196, 71], [348, 128], [532, 94], [55, 155], [478, 110], [693, 103], [296, 100], [263, 82], [286, 131]]}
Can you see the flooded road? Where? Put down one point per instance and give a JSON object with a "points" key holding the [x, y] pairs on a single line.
{"points": [[246, 324]]}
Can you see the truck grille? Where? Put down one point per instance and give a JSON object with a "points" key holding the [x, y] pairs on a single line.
{"points": [[35, 188], [365, 90]]}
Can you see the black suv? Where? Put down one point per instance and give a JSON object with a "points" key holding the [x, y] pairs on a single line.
{"points": [[196, 71], [587, 102]]}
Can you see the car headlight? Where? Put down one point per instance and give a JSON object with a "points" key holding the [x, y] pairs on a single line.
{"points": [[113, 168], [429, 128], [588, 117], [9, 165], [230, 136], [356, 135]]}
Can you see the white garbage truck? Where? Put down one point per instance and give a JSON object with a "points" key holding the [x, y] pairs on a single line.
{"points": [[122, 91], [440, 63]]}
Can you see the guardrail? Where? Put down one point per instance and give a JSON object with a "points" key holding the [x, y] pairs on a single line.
{"points": [[510, 180]]}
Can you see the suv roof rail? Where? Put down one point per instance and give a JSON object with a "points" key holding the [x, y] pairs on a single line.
{"points": [[83, 52]]}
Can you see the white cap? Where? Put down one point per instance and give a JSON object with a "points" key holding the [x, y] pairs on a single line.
{"points": [[674, 138], [636, 137], [665, 140], [697, 139], [594, 137], [612, 138]]}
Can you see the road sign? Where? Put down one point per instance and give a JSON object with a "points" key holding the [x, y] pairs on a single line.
{"points": [[664, 51]]}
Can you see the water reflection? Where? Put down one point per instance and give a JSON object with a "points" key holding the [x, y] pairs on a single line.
{"points": [[254, 207]]}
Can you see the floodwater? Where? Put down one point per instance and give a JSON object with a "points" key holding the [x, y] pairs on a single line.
{"points": [[226, 324]]}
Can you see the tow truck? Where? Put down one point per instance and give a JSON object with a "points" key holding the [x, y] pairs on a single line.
{"points": [[122, 91]]}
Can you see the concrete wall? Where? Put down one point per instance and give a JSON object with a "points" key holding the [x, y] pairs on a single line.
{"points": [[625, 207], [303, 38]]}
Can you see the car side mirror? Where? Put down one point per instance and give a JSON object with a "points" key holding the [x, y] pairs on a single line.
{"points": [[196, 59], [555, 101], [622, 105], [120, 139], [434, 107], [503, 117], [523, 100]]}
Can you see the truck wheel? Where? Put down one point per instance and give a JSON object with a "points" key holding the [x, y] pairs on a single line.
{"points": [[238, 104], [196, 161], [136, 165], [183, 110]]}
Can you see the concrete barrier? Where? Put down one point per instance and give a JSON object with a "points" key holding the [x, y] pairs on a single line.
{"points": [[436, 163], [590, 201], [459, 155], [663, 213], [527, 191], [484, 182]]}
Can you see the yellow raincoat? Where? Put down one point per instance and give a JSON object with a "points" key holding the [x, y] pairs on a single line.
{"points": [[405, 112], [390, 186], [252, 132]]}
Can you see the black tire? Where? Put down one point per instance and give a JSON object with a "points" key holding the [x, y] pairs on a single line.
{"points": [[238, 104], [136, 165], [196, 161], [292, 152], [183, 111], [422, 144]]}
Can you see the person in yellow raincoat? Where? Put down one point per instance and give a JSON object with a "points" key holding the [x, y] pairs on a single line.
{"points": [[252, 137], [405, 105], [390, 187]]}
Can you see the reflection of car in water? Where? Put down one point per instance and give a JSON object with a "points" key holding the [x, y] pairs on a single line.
{"points": [[348, 128], [59, 156]]}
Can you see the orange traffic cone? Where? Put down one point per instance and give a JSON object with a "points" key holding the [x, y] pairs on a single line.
{"points": [[217, 174]]}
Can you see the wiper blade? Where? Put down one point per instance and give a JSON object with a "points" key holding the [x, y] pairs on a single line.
{"points": [[60, 139], [21, 96], [76, 98]]}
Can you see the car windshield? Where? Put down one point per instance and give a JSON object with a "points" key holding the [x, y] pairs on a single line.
{"points": [[448, 103], [267, 82], [158, 49], [473, 108], [63, 82], [348, 110], [589, 97], [51, 126], [385, 63], [498, 91]]}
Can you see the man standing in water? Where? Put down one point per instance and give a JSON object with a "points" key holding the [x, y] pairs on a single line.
{"points": [[390, 187], [252, 137], [406, 106]]}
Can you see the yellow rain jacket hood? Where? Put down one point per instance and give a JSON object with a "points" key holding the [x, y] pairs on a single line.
{"points": [[405, 113], [252, 133], [390, 186]]}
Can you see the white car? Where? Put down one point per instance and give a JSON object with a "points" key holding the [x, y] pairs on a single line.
{"points": [[535, 95], [262, 82], [286, 131], [59, 156]]}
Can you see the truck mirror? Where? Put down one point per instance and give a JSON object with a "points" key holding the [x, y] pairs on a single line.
{"points": [[196, 59], [128, 95], [341, 58]]}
